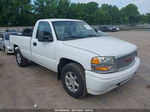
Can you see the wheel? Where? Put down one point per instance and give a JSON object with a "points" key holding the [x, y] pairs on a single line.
{"points": [[73, 80], [20, 59]]}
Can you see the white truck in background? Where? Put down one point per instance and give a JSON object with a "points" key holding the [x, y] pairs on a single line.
{"points": [[85, 62]]}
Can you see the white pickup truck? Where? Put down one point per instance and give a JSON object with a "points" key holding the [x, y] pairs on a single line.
{"points": [[85, 62]]}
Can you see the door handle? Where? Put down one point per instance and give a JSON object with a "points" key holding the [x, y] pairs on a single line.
{"points": [[34, 44]]}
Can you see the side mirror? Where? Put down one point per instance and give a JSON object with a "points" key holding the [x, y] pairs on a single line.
{"points": [[47, 38], [44, 36]]}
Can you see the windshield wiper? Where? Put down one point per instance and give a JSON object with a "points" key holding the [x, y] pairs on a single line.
{"points": [[92, 35], [78, 37], [71, 37]]}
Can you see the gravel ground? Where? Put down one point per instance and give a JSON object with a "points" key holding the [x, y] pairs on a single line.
{"points": [[37, 87]]}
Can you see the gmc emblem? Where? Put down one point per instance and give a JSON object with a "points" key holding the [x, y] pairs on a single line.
{"points": [[128, 60]]}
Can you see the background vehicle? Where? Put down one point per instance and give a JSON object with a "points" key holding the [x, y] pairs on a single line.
{"points": [[84, 62], [11, 30], [5, 43], [108, 28], [27, 32]]}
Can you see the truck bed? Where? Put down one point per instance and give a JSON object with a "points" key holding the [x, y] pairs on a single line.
{"points": [[23, 42]]}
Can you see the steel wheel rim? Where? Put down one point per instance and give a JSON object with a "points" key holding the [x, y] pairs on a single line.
{"points": [[71, 81], [18, 58]]}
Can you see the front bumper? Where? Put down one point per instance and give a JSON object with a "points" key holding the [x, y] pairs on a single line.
{"points": [[101, 83]]}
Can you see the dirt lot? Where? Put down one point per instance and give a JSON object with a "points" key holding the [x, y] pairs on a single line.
{"points": [[24, 87]]}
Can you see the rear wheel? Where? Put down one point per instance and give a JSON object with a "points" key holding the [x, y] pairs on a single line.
{"points": [[20, 59], [73, 80]]}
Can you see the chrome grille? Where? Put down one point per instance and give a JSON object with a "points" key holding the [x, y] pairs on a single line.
{"points": [[126, 60]]}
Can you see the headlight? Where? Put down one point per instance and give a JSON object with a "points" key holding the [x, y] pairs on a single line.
{"points": [[103, 64]]}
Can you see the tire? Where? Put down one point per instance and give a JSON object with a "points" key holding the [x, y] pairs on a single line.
{"points": [[73, 80], [21, 61]]}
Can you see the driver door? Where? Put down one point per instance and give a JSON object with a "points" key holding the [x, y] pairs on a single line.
{"points": [[43, 51]]}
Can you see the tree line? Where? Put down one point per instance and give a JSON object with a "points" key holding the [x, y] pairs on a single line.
{"points": [[27, 12]]}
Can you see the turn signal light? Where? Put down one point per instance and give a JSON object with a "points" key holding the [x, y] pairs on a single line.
{"points": [[102, 68], [95, 61]]}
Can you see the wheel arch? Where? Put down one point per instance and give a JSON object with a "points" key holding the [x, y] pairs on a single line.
{"points": [[62, 63], [15, 47]]}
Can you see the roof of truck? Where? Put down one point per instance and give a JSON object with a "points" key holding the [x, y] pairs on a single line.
{"points": [[58, 19]]}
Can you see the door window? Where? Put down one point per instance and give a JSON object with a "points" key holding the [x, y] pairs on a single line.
{"points": [[43, 30]]}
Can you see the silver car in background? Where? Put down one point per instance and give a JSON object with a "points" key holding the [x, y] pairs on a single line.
{"points": [[5, 43]]}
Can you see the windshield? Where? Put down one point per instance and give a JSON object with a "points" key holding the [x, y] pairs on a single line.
{"points": [[66, 30]]}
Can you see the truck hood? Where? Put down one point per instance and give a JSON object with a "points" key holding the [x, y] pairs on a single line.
{"points": [[103, 46]]}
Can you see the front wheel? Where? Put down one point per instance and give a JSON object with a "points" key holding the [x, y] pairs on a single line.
{"points": [[73, 80], [20, 59]]}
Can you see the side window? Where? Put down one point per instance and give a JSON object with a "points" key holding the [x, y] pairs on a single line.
{"points": [[44, 32]]}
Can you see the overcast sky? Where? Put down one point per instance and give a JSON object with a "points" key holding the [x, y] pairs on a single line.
{"points": [[143, 5]]}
